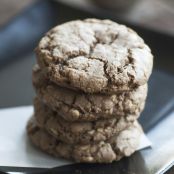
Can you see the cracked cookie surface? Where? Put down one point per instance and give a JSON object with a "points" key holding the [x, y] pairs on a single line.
{"points": [[79, 106], [95, 56], [78, 132], [123, 144]]}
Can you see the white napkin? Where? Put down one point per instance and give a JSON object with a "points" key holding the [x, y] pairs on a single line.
{"points": [[15, 148]]}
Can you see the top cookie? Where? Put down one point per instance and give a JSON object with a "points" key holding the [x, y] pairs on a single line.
{"points": [[95, 56]]}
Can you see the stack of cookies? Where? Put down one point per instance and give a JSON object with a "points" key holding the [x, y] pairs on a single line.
{"points": [[91, 85]]}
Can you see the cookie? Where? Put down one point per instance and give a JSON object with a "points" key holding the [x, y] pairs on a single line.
{"points": [[95, 56], [78, 132], [120, 145], [79, 106]]}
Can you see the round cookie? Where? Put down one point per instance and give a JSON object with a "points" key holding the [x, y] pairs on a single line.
{"points": [[95, 56], [78, 132], [123, 144], [79, 106]]}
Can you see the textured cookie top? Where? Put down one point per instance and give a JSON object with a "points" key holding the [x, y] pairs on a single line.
{"points": [[95, 56]]}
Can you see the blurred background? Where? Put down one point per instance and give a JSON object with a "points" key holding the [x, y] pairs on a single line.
{"points": [[22, 24], [10, 8], [158, 14]]}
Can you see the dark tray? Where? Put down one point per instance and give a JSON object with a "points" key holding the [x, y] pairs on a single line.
{"points": [[20, 36]]}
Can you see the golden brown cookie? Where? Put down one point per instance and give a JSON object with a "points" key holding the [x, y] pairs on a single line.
{"points": [[95, 55], [78, 132], [79, 106], [123, 144]]}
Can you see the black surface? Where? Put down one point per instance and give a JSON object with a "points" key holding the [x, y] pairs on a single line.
{"points": [[20, 37], [160, 100]]}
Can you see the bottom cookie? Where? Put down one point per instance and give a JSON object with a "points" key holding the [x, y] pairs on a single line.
{"points": [[123, 144]]}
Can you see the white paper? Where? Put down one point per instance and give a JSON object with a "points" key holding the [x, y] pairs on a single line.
{"points": [[15, 147]]}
